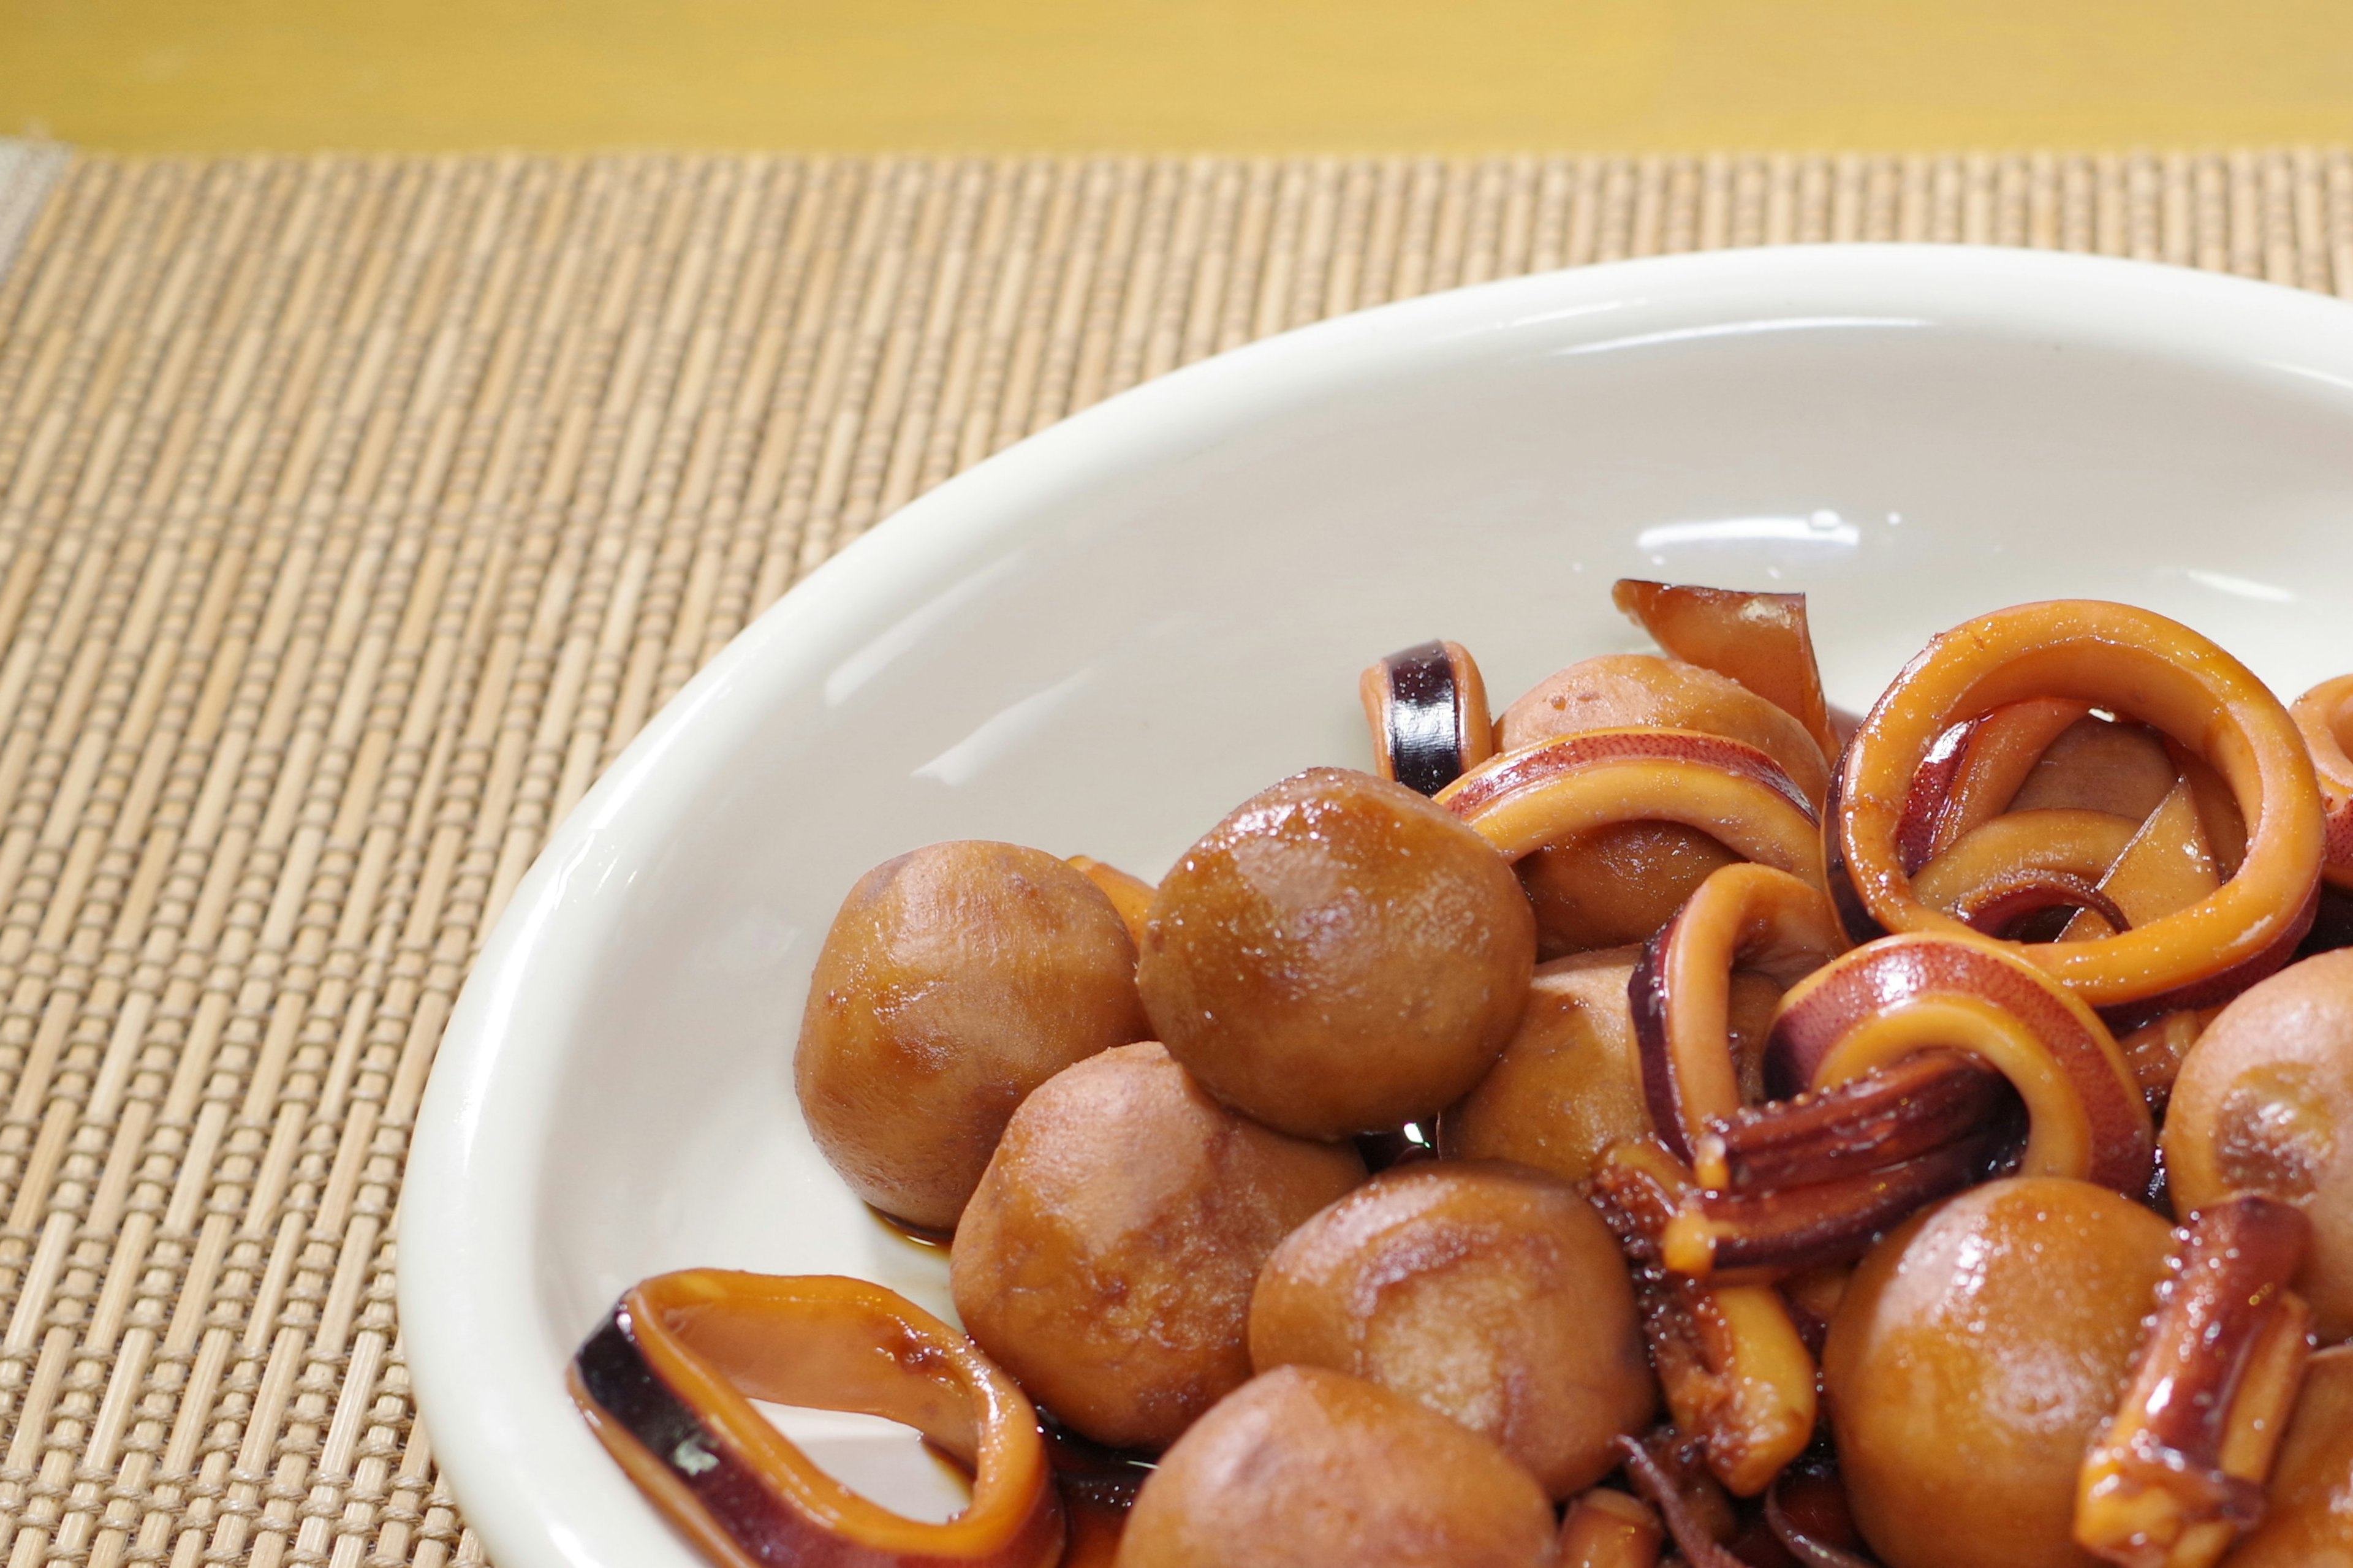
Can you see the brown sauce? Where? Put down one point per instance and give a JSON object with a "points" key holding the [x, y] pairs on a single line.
{"points": [[1092, 1533], [1098, 1486]]}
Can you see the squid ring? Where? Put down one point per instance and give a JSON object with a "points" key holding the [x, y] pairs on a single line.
{"points": [[667, 1383], [2022, 850], [1895, 997], [1751, 916], [1426, 706], [1976, 769], [2164, 674], [2324, 715], [1524, 800]]}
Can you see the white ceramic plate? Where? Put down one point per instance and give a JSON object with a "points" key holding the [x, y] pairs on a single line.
{"points": [[1103, 639]]}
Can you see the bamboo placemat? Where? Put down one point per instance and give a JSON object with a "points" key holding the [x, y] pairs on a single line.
{"points": [[355, 512]]}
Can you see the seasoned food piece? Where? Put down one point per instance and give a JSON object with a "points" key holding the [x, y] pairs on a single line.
{"points": [[955, 979], [1490, 1293], [2264, 1104], [1973, 771], [1761, 640], [1562, 789], [1736, 1373], [666, 1383], [1618, 884], [2169, 864], [1338, 955], [1107, 1259], [2308, 1513], [1130, 895], [1630, 690], [1310, 1468], [1570, 1083], [1876, 1005], [1607, 1529], [2325, 717], [2175, 1477], [1426, 707], [2003, 879], [1977, 1353], [1749, 916], [2158, 672], [2099, 765]]}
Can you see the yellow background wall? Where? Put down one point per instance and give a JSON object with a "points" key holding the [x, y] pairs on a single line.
{"points": [[1274, 75]]}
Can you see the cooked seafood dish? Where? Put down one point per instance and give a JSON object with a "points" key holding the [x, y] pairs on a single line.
{"points": [[1668, 1120]]}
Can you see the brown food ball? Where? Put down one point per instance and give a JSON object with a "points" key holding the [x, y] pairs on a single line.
{"points": [[1616, 884], [1107, 1259], [1337, 956], [1570, 1083], [2264, 1103], [2309, 1520], [1975, 1354], [1626, 691], [1490, 1293], [955, 979], [1309, 1468]]}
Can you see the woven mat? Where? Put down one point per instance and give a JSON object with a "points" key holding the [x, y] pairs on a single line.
{"points": [[355, 512]]}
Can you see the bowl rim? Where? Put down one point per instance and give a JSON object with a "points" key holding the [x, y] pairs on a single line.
{"points": [[501, 1423]]}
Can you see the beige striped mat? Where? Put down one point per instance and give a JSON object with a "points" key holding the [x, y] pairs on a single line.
{"points": [[355, 511]]}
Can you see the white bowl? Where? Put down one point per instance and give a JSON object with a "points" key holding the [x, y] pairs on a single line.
{"points": [[1100, 640]]}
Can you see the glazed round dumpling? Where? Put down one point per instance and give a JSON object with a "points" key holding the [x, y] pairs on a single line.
{"points": [[1310, 1468], [1620, 883], [1337, 956], [1491, 1293], [1630, 690], [1107, 1258], [1569, 1084], [1977, 1353], [955, 979], [1613, 885], [2264, 1103]]}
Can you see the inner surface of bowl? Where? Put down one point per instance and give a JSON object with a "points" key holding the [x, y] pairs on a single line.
{"points": [[1102, 641]]}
